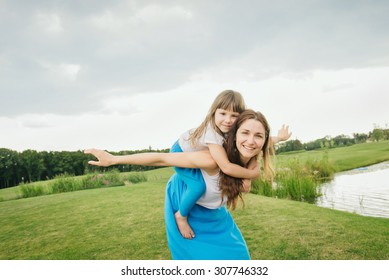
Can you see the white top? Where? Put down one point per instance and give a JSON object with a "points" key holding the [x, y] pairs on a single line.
{"points": [[210, 136], [212, 198]]}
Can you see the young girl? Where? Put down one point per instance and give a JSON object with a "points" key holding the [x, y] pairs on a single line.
{"points": [[210, 135]]}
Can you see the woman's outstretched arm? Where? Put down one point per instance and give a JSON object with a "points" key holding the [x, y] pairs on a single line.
{"points": [[201, 159], [283, 135]]}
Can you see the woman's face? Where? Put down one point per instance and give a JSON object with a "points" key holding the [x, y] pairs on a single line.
{"points": [[250, 139]]}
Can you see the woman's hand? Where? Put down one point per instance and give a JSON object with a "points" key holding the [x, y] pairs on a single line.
{"points": [[283, 133], [104, 158]]}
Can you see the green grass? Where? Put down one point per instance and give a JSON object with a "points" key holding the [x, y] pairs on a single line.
{"points": [[127, 222], [344, 158], [283, 229], [108, 223]]}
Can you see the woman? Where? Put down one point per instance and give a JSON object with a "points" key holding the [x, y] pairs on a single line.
{"points": [[217, 235]]}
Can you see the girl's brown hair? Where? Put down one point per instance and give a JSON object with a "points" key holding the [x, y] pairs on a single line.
{"points": [[232, 187], [227, 100]]}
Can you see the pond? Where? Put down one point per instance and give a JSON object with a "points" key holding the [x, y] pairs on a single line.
{"points": [[364, 191]]}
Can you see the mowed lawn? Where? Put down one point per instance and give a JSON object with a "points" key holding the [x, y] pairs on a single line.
{"points": [[122, 223], [127, 223]]}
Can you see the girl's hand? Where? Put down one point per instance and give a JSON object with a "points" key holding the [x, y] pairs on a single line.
{"points": [[104, 158], [246, 186]]}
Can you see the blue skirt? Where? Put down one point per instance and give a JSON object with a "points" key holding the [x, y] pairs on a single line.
{"points": [[217, 235]]}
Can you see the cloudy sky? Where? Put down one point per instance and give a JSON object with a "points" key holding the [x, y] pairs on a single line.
{"points": [[124, 75]]}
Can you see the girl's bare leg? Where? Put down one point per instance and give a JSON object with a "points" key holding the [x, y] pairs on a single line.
{"points": [[183, 226]]}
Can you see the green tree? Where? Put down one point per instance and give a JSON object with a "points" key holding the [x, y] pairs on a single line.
{"points": [[32, 164], [9, 168], [360, 137], [377, 134], [291, 145]]}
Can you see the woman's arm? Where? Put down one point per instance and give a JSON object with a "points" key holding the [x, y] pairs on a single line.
{"points": [[201, 159], [234, 170]]}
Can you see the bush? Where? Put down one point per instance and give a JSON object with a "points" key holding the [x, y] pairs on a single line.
{"points": [[137, 177], [68, 183], [297, 186], [31, 191], [97, 180], [297, 181], [65, 183], [321, 169], [261, 187]]}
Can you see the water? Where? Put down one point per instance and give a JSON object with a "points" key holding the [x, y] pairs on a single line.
{"points": [[364, 191]]}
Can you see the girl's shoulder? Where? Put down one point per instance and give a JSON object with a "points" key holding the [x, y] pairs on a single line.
{"points": [[211, 136]]}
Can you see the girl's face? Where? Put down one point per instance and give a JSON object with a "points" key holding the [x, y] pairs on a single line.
{"points": [[250, 138], [224, 119]]}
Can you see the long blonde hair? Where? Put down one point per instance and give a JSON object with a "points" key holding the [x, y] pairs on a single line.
{"points": [[226, 100], [232, 187]]}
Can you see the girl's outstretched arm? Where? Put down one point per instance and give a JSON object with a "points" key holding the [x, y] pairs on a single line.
{"points": [[201, 159]]}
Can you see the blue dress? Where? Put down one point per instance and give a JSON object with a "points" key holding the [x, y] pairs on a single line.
{"points": [[217, 235]]}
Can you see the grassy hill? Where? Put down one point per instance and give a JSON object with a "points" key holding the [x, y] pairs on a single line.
{"points": [[344, 158], [127, 223]]}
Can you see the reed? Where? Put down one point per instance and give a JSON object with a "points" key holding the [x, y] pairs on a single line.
{"points": [[296, 180], [31, 190], [136, 177]]}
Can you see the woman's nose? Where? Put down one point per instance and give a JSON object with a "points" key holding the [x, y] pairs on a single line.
{"points": [[250, 139]]}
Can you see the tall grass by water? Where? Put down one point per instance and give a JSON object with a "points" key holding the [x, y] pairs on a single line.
{"points": [[298, 174], [297, 180], [68, 183]]}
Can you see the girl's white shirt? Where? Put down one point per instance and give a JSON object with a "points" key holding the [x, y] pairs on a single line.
{"points": [[210, 136], [212, 197]]}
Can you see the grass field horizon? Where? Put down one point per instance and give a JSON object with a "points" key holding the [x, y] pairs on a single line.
{"points": [[127, 222]]}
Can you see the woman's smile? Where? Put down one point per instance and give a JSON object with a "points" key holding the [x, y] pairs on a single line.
{"points": [[250, 138]]}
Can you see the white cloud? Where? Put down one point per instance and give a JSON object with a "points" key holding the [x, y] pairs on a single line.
{"points": [[157, 13], [63, 72], [69, 71], [34, 121], [49, 22]]}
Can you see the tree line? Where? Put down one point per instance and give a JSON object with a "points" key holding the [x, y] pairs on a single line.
{"points": [[377, 134], [31, 166]]}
